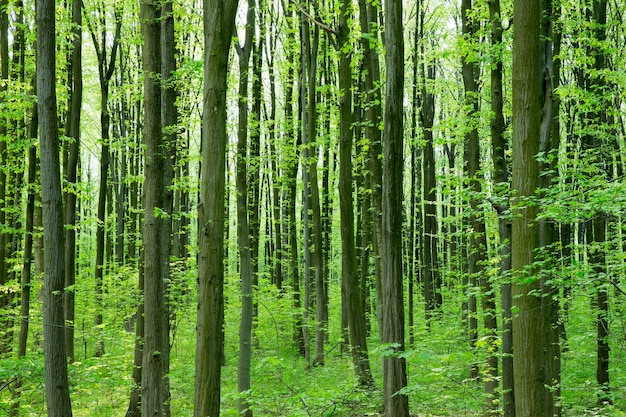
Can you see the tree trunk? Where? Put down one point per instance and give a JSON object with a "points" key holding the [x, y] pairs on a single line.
{"points": [[219, 22], [549, 146], [373, 114], [105, 72], [291, 162], [167, 147], [156, 338], [310, 161], [55, 354], [528, 332], [598, 255], [71, 175], [243, 231], [478, 237], [431, 278], [394, 366], [501, 179], [5, 322], [134, 408], [351, 290]]}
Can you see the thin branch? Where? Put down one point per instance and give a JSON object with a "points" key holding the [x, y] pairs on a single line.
{"points": [[306, 14]]}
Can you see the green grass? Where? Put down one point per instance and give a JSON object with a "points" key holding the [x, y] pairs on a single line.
{"points": [[283, 384]]}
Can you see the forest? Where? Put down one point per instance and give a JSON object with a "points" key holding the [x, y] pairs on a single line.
{"points": [[313, 208]]}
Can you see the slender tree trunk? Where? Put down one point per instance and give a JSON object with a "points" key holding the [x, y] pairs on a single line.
{"points": [[55, 354], [244, 239], [245, 271], [72, 175], [598, 255], [167, 147], [5, 322], [134, 408], [478, 237], [219, 22], [369, 24], [254, 168], [549, 145], [105, 71], [351, 290], [310, 162], [501, 179], [28, 257], [431, 278]]}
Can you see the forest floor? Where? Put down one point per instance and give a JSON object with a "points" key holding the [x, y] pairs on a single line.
{"points": [[283, 384]]}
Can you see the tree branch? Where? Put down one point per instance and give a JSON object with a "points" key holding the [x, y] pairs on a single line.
{"points": [[306, 14]]}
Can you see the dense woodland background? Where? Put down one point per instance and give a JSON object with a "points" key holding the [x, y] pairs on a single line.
{"points": [[312, 208]]}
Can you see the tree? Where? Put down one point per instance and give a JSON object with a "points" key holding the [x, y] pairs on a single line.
{"points": [[528, 362], [431, 276], [219, 21], [55, 353], [501, 179], [310, 44], [71, 172], [478, 238], [351, 289], [5, 344], [157, 219], [548, 255], [373, 115], [106, 67], [392, 303], [243, 231]]}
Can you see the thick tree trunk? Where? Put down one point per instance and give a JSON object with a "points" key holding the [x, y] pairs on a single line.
{"points": [[528, 332], [219, 22], [156, 338], [55, 354], [392, 301]]}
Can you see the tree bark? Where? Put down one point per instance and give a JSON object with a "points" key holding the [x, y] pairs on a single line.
{"points": [[55, 354], [71, 174], [243, 230], [528, 362], [291, 161], [156, 337], [392, 302], [5, 336], [373, 114], [310, 161], [549, 146], [106, 66], [501, 179], [219, 22], [351, 289]]}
